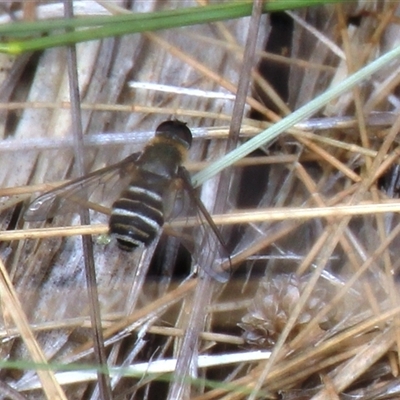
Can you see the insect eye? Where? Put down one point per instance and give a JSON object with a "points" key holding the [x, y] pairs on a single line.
{"points": [[175, 130]]}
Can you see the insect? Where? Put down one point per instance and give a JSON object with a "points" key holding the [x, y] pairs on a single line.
{"points": [[147, 179]]}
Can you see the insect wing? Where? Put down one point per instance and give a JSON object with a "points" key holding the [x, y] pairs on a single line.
{"points": [[67, 198], [209, 250]]}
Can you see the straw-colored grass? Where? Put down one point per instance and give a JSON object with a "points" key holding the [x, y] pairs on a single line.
{"points": [[311, 310]]}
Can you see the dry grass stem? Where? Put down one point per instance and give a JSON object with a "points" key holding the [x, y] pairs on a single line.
{"points": [[311, 309]]}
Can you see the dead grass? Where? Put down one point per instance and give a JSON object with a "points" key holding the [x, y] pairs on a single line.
{"points": [[313, 219]]}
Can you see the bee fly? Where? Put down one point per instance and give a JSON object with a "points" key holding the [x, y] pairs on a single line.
{"points": [[147, 179]]}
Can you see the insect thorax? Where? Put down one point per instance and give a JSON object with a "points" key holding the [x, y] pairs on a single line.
{"points": [[161, 158]]}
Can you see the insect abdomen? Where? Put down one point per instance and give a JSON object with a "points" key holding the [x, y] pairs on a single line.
{"points": [[136, 217]]}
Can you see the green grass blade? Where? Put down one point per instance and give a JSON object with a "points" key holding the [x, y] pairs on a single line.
{"points": [[297, 116], [94, 28]]}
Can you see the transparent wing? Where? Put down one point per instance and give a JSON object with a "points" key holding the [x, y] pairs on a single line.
{"points": [[205, 241], [105, 183]]}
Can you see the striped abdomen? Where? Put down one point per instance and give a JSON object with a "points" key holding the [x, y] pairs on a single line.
{"points": [[136, 216]]}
